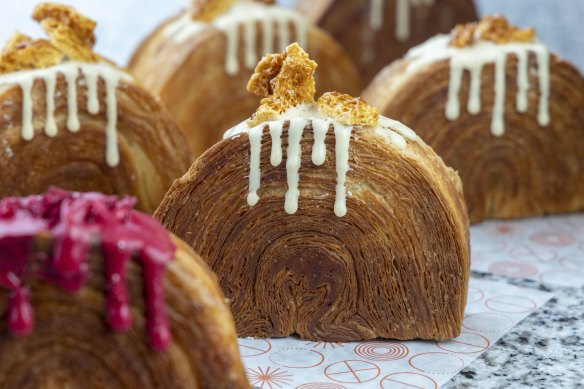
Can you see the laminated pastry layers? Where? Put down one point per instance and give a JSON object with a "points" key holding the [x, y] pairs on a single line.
{"points": [[500, 109], [394, 264], [324, 219]]}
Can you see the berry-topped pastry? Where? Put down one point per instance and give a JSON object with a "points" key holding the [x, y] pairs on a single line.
{"points": [[96, 294]]}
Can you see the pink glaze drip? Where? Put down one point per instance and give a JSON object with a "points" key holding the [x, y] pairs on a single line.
{"points": [[76, 221]]}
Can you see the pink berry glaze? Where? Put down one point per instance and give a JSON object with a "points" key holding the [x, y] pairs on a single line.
{"points": [[76, 221]]}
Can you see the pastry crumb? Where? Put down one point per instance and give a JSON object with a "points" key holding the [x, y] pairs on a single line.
{"points": [[284, 80], [71, 37], [491, 28], [347, 109], [207, 10]]}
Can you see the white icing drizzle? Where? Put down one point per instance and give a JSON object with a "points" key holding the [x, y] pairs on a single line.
{"points": [[50, 124], [298, 119], [276, 133], [473, 59], [320, 128], [245, 16], [71, 71], [342, 140], [293, 159], [402, 16]]}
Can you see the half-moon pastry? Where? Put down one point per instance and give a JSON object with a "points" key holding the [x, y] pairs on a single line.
{"points": [[376, 32], [200, 61], [71, 118], [77, 311], [498, 107], [324, 219]]}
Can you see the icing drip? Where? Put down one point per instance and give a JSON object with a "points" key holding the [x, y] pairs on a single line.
{"points": [[71, 71], [293, 159], [246, 16], [255, 141], [473, 59], [320, 128], [393, 131], [74, 220], [342, 140], [402, 16]]}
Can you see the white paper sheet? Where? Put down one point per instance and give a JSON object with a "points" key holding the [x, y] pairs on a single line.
{"points": [[493, 308], [549, 250]]}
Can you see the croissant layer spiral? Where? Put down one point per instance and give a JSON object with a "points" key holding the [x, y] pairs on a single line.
{"points": [[395, 266]]}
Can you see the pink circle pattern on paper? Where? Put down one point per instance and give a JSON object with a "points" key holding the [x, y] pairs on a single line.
{"points": [[513, 269], [382, 351], [487, 322], [474, 295], [510, 304], [465, 343], [247, 350], [437, 363], [352, 371], [404, 380], [553, 238], [310, 358], [320, 385]]}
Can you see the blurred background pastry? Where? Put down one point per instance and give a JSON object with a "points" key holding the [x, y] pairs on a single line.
{"points": [[94, 294], [357, 231], [501, 109], [199, 61], [69, 117], [376, 32]]}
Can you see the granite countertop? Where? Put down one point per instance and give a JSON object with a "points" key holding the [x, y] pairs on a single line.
{"points": [[544, 350]]}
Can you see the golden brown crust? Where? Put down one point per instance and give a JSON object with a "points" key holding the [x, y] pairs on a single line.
{"points": [[71, 38], [197, 103], [347, 109], [153, 151], [491, 28], [288, 79], [348, 21], [530, 170], [396, 266], [72, 330]]}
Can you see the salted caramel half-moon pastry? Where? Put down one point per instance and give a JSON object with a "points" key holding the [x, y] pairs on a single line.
{"points": [[73, 119], [199, 62], [94, 294], [376, 32], [325, 219], [499, 108]]}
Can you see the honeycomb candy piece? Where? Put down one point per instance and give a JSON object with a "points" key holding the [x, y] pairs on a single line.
{"points": [[498, 29], [491, 28], [284, 80], [463, 35], [347, 109], [207, 10], [70, 32], [71, 38], [23, 53]]}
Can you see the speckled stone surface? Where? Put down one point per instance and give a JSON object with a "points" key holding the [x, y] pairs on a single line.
{"points": [[544, 350]]}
